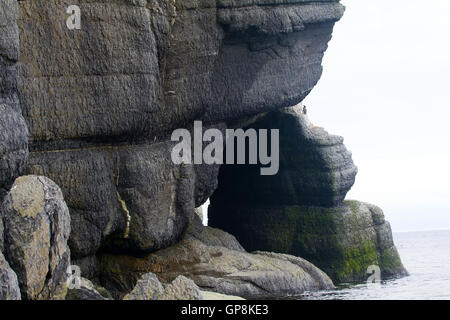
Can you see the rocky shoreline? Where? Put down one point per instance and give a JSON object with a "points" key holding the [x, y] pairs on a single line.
{"points": [[93, 208]]}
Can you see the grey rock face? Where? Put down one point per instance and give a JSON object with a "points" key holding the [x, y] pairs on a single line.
{"points": [[9, 52], [123, 198], [9, 286], [148, 287], [217, 268], [101, 81], [135, 72], [182, 288], [13, 129], [315, 169], [13, 146], [1, 233], [36, 229]]}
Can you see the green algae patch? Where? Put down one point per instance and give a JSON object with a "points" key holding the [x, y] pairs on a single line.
{"points": [[343, 241]]}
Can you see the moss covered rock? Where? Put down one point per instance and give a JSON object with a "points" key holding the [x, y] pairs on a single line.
{"points": [[343, 241]]}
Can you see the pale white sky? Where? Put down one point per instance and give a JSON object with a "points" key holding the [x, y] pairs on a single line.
{"points": [[386, 89]]}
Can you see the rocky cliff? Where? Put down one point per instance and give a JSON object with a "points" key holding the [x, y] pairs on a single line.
{"points": [[100, 102], [93, 109], [301, 210], [13, 129]]}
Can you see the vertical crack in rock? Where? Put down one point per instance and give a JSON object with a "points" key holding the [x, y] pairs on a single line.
{"points": [[127, 215], [122, 203]]}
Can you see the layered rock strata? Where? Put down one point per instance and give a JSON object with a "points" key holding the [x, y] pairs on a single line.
{"points": [[102, 101], [97, 108]]}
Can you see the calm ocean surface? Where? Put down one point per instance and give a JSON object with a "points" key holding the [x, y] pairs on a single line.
{"points": [[426, 256]]}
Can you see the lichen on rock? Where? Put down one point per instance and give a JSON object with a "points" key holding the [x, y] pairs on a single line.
{"points": [[36, 229]]}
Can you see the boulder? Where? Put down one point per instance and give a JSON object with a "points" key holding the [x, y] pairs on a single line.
{"points": [[182, 288], [216, 263], [9, 286], [148, 287], [36, 229]]}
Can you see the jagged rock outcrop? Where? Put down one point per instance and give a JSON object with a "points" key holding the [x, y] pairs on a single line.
{"points": [[224, 268], [13, 129], [101, 102], [9, 286], [147, 287], [300, 211], [36, 229], [182, 288]]}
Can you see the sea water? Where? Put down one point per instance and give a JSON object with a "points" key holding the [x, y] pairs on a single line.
{"points": [[426, 256]]}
